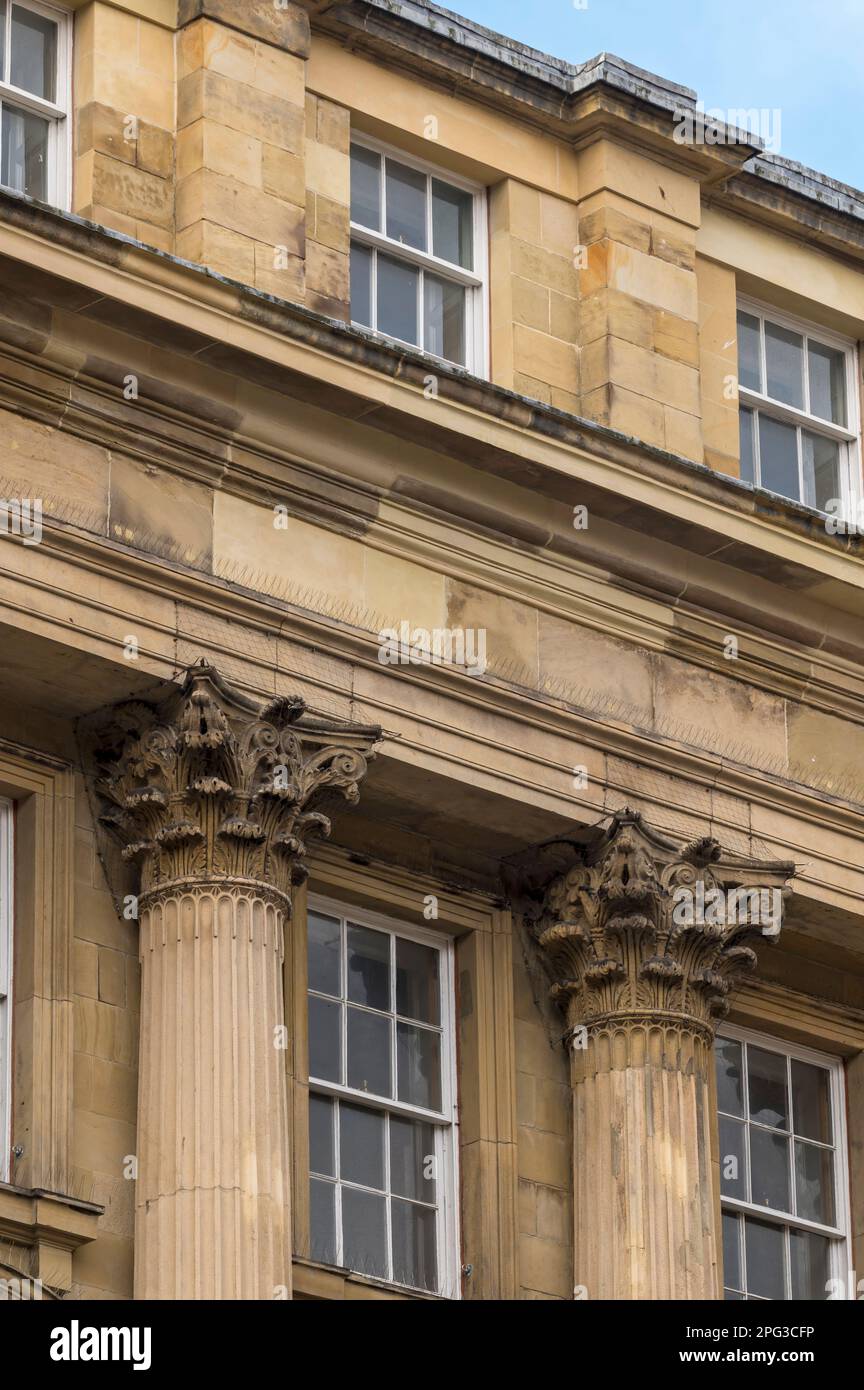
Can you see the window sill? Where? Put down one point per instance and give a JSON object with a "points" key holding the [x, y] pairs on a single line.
{"points": [[329, 1282], [52, 1225]]}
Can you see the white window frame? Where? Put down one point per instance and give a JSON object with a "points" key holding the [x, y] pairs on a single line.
{"points": [[58, 183], [476, 281], [445, 1121], [6, 917], [839, 1235], [848, 435]]}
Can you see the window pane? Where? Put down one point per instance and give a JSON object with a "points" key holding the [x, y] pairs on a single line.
{"points": [[406, 205], [730, 1088], [417, 988], [397, 299], [811, 1102], [810, 1265], [746, 420], [34, 53], [733, 1159], [415, 1259], [821, 470], [778, 457], [767, 1081], [769, 1170], [324, 954], [369, 1053], [418, 1060], [784, 359], [749, 352], [814, 1187], [369, 967], [361, 1145], [765, 1259], [322, 1150], [322, 1221], [452, 224], [731, 1251], [444, 321], [412, 1159], [827, 382], [364, 1232], [325, 1060], [24, 161], [366, 187], [3, 40], [361, 284]]}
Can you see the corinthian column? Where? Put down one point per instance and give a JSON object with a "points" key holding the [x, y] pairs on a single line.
{"points": [[646, 941], [211, 798]]}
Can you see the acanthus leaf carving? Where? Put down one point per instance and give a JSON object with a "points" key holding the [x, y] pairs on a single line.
{"points": [[204, 785], [619, 943]]}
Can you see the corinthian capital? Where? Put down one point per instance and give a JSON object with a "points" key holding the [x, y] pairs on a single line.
{"points": [[206, 785], [643, 928]]}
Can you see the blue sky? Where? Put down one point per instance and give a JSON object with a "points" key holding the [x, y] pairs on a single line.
{"points": [[803, 58]]}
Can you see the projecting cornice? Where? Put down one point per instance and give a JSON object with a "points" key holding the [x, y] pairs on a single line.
{"points": [[604, 95], [643, 930], [207, 786]]}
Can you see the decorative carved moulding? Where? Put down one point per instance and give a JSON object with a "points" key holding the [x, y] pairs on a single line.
{"points": [[644, 933], [205, 786]]}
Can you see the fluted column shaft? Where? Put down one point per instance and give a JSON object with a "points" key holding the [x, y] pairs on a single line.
{"points": [[644, 1219], [212, 1216]]}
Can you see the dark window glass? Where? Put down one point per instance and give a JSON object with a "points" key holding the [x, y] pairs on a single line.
{"points": [[412, 1159], [418, 1059], [417, 987], [34, 54], [361, 1145], [325, 1060], [325, 951], [369, 967], [778, 457], [369, 1043], [322, 1149], [784, 360], [406, 205], [827, 367], [364, 1232], [810, 1261], [452, 224], [366, 188], [766, 1262], [361, 284], [444, 319], [746, 420], [415, 1259], [322, 1221], [749, 352], [397, 299], [24, 159], [733, 1158], [730, 1083]]}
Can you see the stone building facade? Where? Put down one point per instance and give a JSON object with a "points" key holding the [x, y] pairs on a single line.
{"points": [[431, 758]]}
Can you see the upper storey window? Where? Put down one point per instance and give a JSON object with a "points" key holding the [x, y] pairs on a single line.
{"points": [[799, 410], [34, 100], [418, 254]]}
